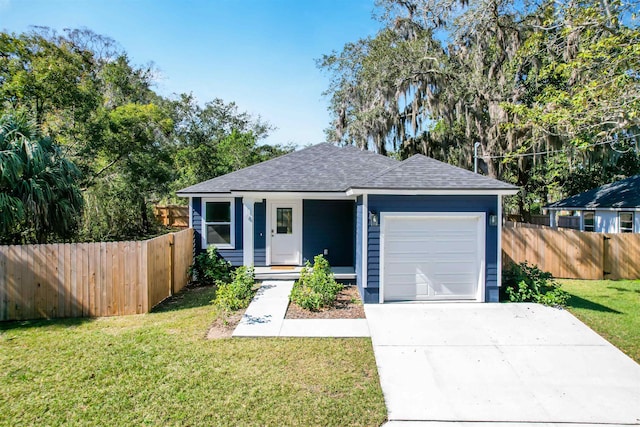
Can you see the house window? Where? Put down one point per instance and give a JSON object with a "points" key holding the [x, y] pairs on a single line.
{"points": [[626, 222], [588, 219], [217, 224]]}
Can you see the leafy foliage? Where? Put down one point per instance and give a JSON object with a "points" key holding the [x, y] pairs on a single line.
{"points": [[548, 89], [237, 294], [39, 194], [209, 268], [527, 283], [316, 288], [132, 147]]}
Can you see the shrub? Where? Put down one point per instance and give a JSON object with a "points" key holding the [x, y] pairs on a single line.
{"points": [[210, 268], [527, 283], [316, 287], [237, 294]]}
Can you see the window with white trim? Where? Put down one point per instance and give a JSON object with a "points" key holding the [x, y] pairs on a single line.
{"points": [[625, 219], [218, 223], [589, 221]]}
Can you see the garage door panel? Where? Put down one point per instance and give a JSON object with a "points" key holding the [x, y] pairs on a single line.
{"points": [[432, 257]]}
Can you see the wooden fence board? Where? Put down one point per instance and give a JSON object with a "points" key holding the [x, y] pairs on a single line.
{"points": [[172, 216], [573, 254], [92, 279], [623, 260]]}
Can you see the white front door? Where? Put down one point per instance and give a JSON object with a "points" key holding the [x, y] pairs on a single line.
{"points": [[286, 232]]}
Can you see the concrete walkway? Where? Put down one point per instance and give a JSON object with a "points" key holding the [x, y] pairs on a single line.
{"points": [[265, 317], [471, 364]]}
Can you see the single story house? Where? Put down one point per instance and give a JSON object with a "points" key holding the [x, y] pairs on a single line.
{"points": [[611, 208], [417, 229]]}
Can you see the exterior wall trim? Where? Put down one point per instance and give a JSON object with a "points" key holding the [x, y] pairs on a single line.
{"points": [[582, 209], [499, 262], [207, 195], [365, 241], [482, 226], [288, 195], [247, 230], [433, 192]]}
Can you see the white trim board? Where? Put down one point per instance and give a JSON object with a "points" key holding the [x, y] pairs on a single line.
{"points": [[365, 241], [419, 192], [635, 209], [286, 195]]}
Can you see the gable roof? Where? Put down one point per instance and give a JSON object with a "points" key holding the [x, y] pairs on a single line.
{"points": [[623, 194], [328, 168]]}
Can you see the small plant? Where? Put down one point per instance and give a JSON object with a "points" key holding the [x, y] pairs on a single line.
{"points": [[527, 283], [316, 288], [237, 294], [210, 268]]}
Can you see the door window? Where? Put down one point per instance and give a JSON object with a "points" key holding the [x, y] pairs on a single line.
{"points": [[284, 220]]}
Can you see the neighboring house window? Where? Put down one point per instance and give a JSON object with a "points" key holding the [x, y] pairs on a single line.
{"points": [[588, 219], [626, 222], [217, 224]]}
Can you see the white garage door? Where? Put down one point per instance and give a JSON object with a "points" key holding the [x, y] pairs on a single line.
{"points": [[427, 257]]}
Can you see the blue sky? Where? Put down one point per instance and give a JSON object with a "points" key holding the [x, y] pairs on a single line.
{"points": [[259, 53]]}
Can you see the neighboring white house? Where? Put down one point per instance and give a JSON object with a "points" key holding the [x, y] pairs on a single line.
{"points": [[612, 208]]}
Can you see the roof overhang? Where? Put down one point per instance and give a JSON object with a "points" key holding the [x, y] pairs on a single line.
{"points": [[434, 192], [583, 208], [282, 195], [352, 193]]}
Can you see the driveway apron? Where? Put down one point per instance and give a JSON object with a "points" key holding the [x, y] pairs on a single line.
{"points": [[522, 363]]}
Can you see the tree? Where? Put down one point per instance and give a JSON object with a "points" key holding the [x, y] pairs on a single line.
{"points": [[217, 139], [132, 146], [39, 194], [546, 88]]}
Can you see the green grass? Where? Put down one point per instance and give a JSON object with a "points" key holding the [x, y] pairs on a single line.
{"points": [[158, 369], [611, 308]]}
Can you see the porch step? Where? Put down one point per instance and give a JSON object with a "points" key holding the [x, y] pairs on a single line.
{"points": [[268, 273]]}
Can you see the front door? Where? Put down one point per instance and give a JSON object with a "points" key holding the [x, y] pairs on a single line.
{"points": [[286, 230]]}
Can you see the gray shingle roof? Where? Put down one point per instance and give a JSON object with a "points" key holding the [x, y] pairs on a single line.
{"points": [[422, 172], [327, 168], [623, 194]]}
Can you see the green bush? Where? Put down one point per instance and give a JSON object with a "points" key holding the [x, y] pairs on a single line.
{"points": [[210, 268], [527, 283], [237, 294], [316, 288]]}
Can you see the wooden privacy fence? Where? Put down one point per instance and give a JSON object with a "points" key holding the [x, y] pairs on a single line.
{"points": [[92, 279], [172, 215], [573, 254]]}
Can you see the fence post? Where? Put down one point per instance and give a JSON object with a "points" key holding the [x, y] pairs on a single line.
{"points": [[606, 256], [172, 261]]}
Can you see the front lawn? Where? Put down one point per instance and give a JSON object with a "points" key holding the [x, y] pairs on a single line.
{"points": [[158, 369], [611, 308]]}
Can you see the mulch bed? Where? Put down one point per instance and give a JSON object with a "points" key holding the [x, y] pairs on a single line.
{"points": [[348, 306]]}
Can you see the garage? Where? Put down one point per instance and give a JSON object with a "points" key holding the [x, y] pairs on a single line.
{"points": [[432, 256]]}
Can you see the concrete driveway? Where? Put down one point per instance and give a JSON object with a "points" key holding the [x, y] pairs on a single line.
{"points": [[522, 363]]}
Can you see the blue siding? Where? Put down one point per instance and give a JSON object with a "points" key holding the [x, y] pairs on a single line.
{"points": [[196, 222], [384, 203], [358, 248], [259, 230], [328, 224], [234, 256]]}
